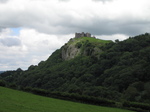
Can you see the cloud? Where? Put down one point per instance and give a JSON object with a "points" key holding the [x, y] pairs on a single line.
{"points": [[3, 1], [28, 48], [30, 30], [55, 17], [64, 0], [10, 42], [113, 37], [102, 0]]}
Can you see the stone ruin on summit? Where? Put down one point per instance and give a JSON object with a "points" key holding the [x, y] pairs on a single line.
{"points": [[79, 35]]}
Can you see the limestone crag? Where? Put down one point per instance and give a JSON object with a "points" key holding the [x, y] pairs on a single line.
{"points": [[69, 52], [79, 46]]}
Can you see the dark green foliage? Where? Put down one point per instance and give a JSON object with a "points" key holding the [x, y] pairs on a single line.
{"points": [[120, 71], [71, 97], [79, 45], [2, 83], [139, 107]]}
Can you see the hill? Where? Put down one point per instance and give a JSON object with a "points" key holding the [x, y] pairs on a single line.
{"points": [[83, 46], [86, 66], [17, 101]]}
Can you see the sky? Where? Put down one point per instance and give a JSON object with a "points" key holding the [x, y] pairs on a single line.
{"points": [[31, 30]]}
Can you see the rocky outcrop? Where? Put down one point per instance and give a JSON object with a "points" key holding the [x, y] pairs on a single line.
{"points": [[79, 47], [69, 52]]}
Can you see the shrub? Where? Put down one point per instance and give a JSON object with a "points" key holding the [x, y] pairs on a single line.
{"points": [[2, 83], [136, 105]]}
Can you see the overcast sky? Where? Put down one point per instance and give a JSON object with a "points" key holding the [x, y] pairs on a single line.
{"points": [[30, 30]]}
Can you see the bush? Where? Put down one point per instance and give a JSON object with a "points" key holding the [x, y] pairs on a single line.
{"points": [[136, 105], [2, 83]]}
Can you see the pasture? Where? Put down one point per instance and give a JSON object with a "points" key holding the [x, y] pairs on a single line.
{"points": [[18, 101]]}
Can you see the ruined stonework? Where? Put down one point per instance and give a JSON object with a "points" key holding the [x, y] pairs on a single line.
{"points": [[79, 35]]}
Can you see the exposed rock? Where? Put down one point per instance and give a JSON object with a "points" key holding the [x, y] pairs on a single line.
{"points": [[79, 47], [69, 52]]}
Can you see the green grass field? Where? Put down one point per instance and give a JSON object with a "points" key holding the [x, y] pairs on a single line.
{"points": [[18, 101]]}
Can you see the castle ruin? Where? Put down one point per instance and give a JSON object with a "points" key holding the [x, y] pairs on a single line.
{"points": [[79, 35]]}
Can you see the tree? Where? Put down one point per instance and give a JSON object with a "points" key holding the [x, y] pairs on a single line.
{"points": [[2, 83]]}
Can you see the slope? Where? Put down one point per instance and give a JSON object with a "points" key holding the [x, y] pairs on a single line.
{"points": [[113, 70], [17, 101], [84, 46]]}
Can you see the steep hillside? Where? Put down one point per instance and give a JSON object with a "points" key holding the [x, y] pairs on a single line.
{"points": [[87, 66], [85, 46]]}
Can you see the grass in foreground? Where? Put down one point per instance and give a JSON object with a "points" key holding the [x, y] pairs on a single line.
{"points": [[18, 101]]}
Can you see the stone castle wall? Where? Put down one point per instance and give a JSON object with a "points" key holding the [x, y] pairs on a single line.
{"points": [[79, 35]]}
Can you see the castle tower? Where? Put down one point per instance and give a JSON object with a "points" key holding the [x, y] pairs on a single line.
{"points": [[82, 34], [88, 35], [79, 35]]}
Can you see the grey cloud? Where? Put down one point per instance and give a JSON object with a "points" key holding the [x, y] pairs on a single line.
{"points": [[64, 0], [110, 27], [9, 42], [58, 22], [1, 28], [96, 26], [3, 1], [101, 0], [56, 18], [12, 63]]}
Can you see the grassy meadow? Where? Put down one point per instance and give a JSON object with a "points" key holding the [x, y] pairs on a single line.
{"points": [[18, 101]]}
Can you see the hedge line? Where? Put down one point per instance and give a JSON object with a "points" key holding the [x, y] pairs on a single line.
{"points": [[139, 107], [71, 97]]}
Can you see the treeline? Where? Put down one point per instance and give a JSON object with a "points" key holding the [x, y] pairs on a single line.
{"points": [[72, 97], [119, 72], [62, 95], [139, 107]]}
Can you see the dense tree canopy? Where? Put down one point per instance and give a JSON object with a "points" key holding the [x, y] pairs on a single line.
{"points": [[119, 71]]}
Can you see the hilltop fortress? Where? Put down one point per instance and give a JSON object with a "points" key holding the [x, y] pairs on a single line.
{"points": [[79, 35]]}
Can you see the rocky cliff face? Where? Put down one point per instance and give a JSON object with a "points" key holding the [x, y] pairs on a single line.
{"points": [[80, 46], [70, 51]]}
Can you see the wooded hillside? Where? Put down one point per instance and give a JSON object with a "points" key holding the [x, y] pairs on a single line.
{"points": [[118, 71]]}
